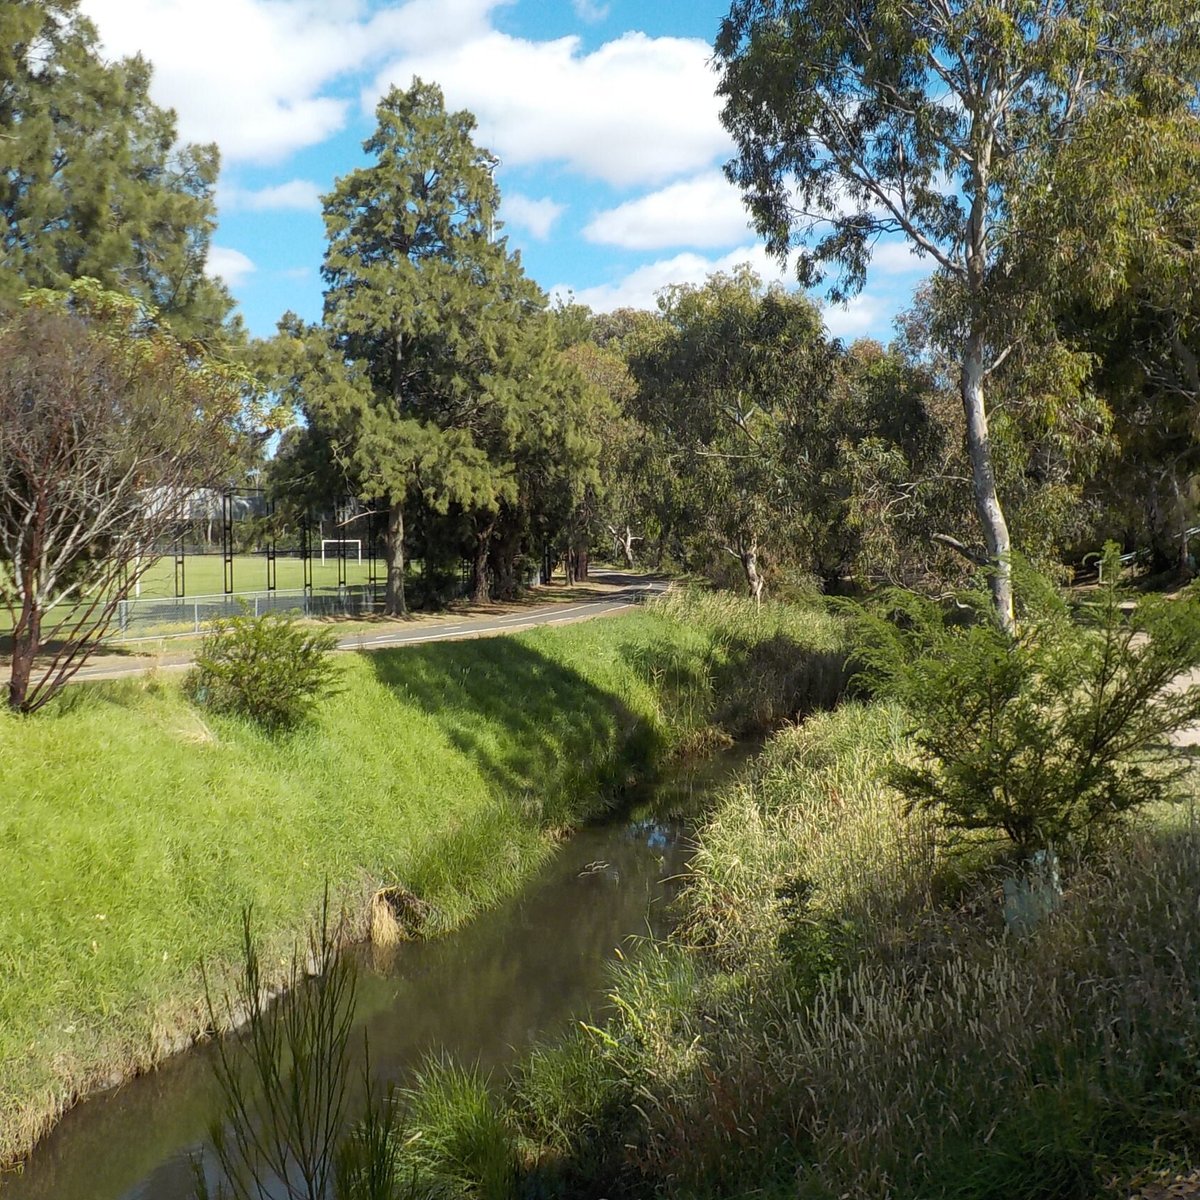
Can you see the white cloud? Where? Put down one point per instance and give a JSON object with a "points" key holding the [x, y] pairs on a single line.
{"points": [[704, 211], [860, 316], [590, 10], [537, 216], [229, 265], [639, 288], [636, 110], [301, 195], [265, 78], [898, 258], [255, 75], [868, 313]]}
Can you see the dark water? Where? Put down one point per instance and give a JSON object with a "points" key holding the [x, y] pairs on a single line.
{"points": [[521, 972]]}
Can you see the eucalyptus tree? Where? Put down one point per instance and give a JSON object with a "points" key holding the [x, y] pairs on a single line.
{"points": [[888, 440], [94, 183], [411, 371], [729, 384], [1125, 199], [861, 118]]}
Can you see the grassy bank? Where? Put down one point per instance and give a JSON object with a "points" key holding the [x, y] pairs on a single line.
{"points": [[843, 1013], [135, 828]]}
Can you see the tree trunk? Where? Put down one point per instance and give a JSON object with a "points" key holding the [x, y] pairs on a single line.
{"points": [[623, 540], [394, 604], [748, 557], [1183, 563], [26, 639], [503, 559], [481, 590], [987, 502]]}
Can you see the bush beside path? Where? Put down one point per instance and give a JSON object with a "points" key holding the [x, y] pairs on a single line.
{"points": [[136, 827]]}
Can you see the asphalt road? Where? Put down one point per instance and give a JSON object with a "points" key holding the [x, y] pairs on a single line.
{"points": [[484, 626]]}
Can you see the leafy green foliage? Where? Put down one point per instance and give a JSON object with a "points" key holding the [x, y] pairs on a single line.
{"points": [[434, 378], [725, 380], [856, 119], [94, 182], [1050, 735], [268, 669], [1124, 197]]}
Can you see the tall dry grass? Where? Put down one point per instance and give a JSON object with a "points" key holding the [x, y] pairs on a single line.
{"points": [[135, 830], [845, 1013]]}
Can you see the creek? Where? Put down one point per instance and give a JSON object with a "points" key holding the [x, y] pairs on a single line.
{"points": [[519, 973]]}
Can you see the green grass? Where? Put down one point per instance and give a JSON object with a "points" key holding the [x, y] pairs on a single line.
{"points": [[843, 1012], [135, 828], [204, 574]]}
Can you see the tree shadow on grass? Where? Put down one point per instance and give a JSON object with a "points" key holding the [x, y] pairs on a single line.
{"points": [[531, 725], [765, 682], [747, 689]]}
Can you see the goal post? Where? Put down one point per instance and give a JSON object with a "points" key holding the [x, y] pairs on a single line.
{"points": [[331, 548]]}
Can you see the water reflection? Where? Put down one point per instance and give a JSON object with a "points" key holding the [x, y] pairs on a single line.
{"points": [[483, 995]]}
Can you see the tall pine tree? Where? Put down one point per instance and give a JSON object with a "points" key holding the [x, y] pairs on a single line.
{"points": [[424, 374], [94, 183]]}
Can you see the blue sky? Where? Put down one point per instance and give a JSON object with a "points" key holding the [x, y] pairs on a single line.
{"points": [[602, 113]]}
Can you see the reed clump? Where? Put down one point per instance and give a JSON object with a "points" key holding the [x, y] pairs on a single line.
{"points": [[844, 1011], [448, 770]]}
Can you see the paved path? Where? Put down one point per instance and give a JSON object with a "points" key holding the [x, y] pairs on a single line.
{"points": [[628, 596], [1188, 738]]}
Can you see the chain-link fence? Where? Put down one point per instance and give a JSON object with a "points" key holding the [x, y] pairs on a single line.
{"points": [[166, 617]]}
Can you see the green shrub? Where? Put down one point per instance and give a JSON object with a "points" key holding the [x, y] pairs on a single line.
{"points": [[458, 1143], [1050, 735], [940, 1058], [267, 669]]}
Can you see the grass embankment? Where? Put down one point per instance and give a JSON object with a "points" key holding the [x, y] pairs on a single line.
{"points": [[843, 1014], [135, 829]]}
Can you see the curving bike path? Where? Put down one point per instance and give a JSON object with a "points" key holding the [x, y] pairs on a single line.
{"points": [[629, 594]]}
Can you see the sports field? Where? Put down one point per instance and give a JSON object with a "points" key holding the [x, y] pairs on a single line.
{"points": [[204, 574]]}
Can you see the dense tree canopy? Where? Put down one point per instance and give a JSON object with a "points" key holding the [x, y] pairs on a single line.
{"points": [[434, 378], [726, 383], [1125, 199], [94, 183], [856, 119]]}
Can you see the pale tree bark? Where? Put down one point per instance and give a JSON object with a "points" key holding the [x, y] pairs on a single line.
{"points": [[624, 539], [1183, 560], [983, 478], [394, 602], [747, 554], [974, 372]]}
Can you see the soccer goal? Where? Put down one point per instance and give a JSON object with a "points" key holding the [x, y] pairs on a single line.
{"points": [[333, 548]]}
